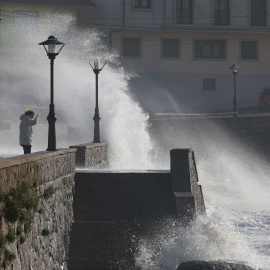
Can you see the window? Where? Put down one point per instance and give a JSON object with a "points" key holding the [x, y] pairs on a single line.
{"points": [[209, 84], [258, 13], [131, 47], [170, 48], [214, 49], [249, 50], [142, 4], [221, 12], [25, 21], [184, 11]]}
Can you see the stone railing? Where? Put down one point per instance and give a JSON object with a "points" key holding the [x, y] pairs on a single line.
{"points": [[188, 193], [91, 155], [50, 178]]}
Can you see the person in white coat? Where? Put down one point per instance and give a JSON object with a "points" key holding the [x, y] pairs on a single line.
{"points": [[26, 130]]}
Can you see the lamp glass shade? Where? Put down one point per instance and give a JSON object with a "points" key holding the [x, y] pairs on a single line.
{"points": [[234, 68], [51, 48], [51, 44], [97, 63]]}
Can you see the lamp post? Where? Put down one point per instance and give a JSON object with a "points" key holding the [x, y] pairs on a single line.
{"points": [[50, 46], [235, 69], [96, 117]]}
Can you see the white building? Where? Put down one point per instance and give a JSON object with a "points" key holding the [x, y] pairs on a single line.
{"points": [[182, 49]]}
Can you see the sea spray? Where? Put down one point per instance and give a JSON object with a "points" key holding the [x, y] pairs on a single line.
{"points": [[235, 186], [231, 198], [207, 238], [25, 82]]}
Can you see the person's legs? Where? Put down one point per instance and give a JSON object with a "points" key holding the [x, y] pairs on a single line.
{"points": [[27, 149]]}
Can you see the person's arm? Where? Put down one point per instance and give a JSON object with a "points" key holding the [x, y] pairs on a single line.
{"points": [[31, 122]]}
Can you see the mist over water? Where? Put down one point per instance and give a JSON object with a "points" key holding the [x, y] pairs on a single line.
{"points": [[234, 179], [235, 184]]}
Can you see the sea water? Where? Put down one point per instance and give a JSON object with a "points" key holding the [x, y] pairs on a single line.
{"points": [[235, 183]]}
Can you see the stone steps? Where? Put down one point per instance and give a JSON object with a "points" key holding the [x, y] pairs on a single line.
{"points": [[112, 211], [124, 196], [103, 245], [119, 212], [108, 267]]}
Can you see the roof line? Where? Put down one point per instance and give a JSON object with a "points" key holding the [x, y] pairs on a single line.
{"points": [[60, 3]]}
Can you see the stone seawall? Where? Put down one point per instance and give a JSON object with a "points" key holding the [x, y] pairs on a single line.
{"points": [[91, 155], [41, 239]]}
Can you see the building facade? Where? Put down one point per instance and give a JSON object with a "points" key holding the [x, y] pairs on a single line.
{"points": [[182, 49]]}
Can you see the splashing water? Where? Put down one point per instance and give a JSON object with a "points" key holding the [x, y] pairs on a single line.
{"points": [[235, 185], [25, 82], [238, 217], [211, 238]]}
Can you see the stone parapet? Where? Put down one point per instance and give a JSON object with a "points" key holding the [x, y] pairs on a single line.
{"points": [[188, 193], [41, 170], [91, 155]]}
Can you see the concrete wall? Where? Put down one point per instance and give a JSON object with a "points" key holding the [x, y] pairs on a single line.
{"points": [[42, 170], [188, 193], [176, 92], [176, 85]]}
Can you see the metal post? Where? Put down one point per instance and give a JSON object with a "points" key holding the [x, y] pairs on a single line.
{"points": [[234, 97], [51, 117], [96, 117]]}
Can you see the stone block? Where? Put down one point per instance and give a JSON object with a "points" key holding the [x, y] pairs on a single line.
{"points": [[188, 194], [91, 155], [44, 169]]}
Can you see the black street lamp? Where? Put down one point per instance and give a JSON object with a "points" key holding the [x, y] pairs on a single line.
{"points": [[235, 69], [96, 117], [50, 46]]}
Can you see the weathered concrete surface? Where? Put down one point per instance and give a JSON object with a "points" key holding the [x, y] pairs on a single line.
{"points": [[215, 265], [43, 170], [91, 155], [188, 194]]}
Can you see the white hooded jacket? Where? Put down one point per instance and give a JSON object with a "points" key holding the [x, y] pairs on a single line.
{"points": [[26, 131]]}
